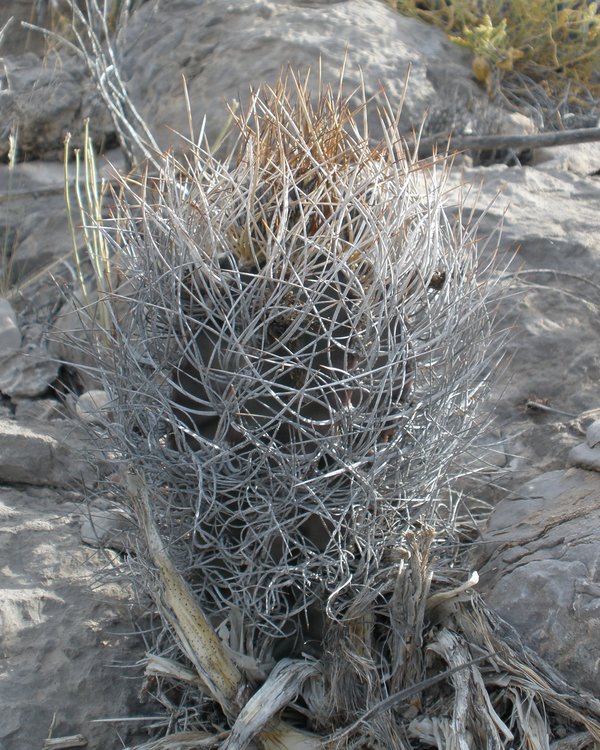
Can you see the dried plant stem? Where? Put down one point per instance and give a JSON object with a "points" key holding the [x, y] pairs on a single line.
{"points": [[194, 632], [488, 142]]}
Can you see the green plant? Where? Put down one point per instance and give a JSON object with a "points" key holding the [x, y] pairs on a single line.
{"points": [[555, 44]]}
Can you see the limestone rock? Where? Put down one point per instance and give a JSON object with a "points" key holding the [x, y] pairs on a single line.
{"points": [[580, 158], [45, 100], [550, 255], [42, 238], [539, 570], [65, 630], [34, 230], [584, 457], [71, 340], [27, 374], [52, 454], [587, 455], [38, 409], [106, 527], [223, 48], [592, 435], [10, 335]]}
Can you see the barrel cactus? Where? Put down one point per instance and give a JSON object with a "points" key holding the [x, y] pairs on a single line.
{"points": [[298, 337]]}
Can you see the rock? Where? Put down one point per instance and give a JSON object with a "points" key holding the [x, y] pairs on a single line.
{"points": [[43, 238], [516, 123], [549, 254], [108, 527], [223, 48], [72, 341], [69, 648], [27, 374], [584, 457], [539, 570], [39, 409], [34, 229], [91, 407], [52, 454], [592, 435], [18, 39], [73, 338], [486, 455], [580, 158], [45, 100], [10, 335]]}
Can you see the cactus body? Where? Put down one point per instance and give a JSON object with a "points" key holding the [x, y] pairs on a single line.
{"points": [[295, 375]]}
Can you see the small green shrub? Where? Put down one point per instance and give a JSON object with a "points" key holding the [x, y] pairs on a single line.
{"points": [[555, 44]]}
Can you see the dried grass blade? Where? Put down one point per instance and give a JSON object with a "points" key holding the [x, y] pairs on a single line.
{"points": [[195, 634], [454, 653], [159, 666], [533, 724], [282, 736], [282, 686], [579, 741]]}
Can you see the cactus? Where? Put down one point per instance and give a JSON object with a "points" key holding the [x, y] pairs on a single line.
{"points": [[293, 370], [294, 340]]}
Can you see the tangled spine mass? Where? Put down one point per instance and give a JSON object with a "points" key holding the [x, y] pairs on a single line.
{"points": [[294, 371]]}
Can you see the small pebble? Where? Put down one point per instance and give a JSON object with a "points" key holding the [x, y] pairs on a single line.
{"points": [[92, 408]]}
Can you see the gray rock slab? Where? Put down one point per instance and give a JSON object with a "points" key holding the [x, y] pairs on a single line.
{"points": [[540, 569], [223, 48], [46, 99], [584, 457], [592, 435], [69, 647], [39, 178], [53, 454], [549, 261], [579, 158], [107, 527], [71, 340], [34, 229], [38, 410], [42, 237], [27, 374]]}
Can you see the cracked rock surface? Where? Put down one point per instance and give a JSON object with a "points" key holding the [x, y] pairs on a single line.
{"points": [[541, 570], [68, 647]]}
